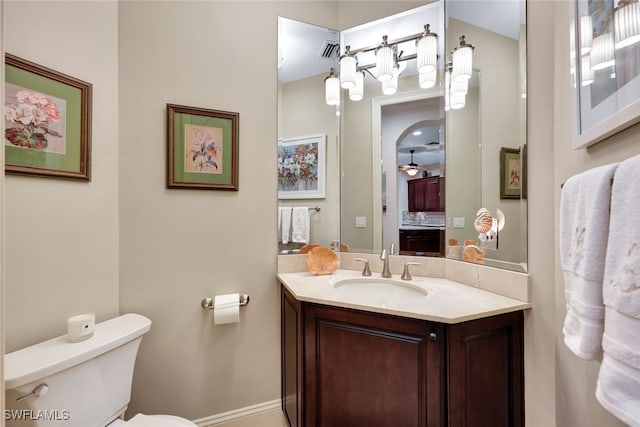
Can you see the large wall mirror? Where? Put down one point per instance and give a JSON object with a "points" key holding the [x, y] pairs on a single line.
{"points": [[415, 163]]}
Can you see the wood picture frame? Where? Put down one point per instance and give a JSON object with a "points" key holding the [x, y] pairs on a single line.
{"points": [[510, 173], [202, 148], [47, 122]]}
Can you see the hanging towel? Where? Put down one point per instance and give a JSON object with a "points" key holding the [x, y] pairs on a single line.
{"points": [[618, 388], [300, 225], [584, 227], [285, 224]]}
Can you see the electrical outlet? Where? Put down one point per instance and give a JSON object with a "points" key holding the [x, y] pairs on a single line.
{"points": [[361, 222], [458, 222]]}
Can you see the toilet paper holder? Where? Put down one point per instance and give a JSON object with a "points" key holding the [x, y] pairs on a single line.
{"points": [[207, 303]]}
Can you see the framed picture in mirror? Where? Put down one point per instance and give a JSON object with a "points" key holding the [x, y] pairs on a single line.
{"points": [[606, 82], [510, 173], [301, 167], [202, 148]]}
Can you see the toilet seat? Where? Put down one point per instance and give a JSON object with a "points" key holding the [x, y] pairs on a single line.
{"points": [[141, 420]]}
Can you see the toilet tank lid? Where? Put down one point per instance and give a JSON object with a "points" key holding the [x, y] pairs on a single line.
{"points": [[57, 354]]}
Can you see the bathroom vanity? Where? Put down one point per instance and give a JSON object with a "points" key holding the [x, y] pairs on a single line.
{"points": [[346, 363]]}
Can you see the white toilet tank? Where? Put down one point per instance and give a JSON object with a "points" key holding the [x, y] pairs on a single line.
{"points": [[89, 382]]}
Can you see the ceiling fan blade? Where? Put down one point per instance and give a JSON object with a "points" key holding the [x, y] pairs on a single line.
{"points": [[403, 168]]}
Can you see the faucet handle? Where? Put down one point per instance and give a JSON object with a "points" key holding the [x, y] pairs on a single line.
{"points": [[405, 273], [366, 271]]}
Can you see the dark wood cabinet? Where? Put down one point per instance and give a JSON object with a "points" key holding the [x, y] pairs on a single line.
{"points": [[343, 368], [426, 194], [428, 242]]}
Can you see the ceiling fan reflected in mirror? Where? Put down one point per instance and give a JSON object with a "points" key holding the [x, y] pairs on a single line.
{"points": [[411, 169]]}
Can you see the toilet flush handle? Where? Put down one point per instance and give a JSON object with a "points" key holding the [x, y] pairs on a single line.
{"points": [[38, 391]]}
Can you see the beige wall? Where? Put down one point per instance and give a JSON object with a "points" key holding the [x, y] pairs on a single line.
{"points": [[62, 236], [576, 378], [301, 112]]}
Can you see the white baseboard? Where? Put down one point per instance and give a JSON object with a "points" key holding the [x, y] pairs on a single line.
{"points": [[256, 412]]}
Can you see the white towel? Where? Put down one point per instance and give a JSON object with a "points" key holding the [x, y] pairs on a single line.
{"points": [[584, 227], [300, 225], [285, 225], [618, 387]]}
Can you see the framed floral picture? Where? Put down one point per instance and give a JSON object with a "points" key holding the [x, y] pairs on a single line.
{"points": [[301, 167], [47, 122], [510, 173], [202, 148]]}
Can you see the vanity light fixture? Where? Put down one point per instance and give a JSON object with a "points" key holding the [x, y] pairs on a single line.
{"points": [[427, 80], [348, 66], [447, 86], [586, 34], [384, 61], [626, 18], [602, 52], [462, 61], [427, 54], [356, 93], [586, 71], [390, 63], [332, 89]]}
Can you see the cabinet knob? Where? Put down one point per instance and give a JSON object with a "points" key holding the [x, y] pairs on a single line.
{"points": [[433, 337]]}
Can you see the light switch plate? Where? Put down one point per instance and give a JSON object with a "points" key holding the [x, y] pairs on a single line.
{"points": [[458, 222], [361, 222]]}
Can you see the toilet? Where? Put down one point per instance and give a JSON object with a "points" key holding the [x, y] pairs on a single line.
{"points": [[82, 384]]}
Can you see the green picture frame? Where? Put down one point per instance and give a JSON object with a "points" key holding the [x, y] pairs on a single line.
{"points": [[47, 122], [511, 173], [202, 148]]}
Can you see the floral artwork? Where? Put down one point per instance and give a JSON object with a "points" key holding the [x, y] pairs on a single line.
{"points": [[301, 168], [34, 120], [203, 149], [511, 177]]}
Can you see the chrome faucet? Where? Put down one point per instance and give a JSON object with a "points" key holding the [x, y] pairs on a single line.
{"points": [[386, 273]]}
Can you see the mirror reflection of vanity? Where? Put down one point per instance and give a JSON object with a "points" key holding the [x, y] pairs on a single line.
{"points": [[458, 152]]}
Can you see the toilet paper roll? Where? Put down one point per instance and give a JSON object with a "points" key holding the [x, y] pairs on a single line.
{"points": [[80, 328], [226, 309]]}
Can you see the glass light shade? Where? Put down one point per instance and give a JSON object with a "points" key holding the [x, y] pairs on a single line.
{"points": [[459, 88], [602, 52], [447, 91], [462, 65], [384, 62], [412, 171], [332, 89], [356, 93], [428, 80], [627, 24], [586, 34], [427, 54], [457, 101], [389, 87], [586, 71], [348, 71]]}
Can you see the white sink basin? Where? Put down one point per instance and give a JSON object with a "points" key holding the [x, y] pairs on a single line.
{"points": [[379, 291]]}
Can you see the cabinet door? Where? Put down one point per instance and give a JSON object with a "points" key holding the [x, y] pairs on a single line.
{"points": [[367, 369], [486, 372], [291, 353]]}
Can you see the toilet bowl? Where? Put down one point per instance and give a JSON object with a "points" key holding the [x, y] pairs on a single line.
{"points": [[153, 421], [80, 384]]}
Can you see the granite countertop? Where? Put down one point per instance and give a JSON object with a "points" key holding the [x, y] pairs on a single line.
{"points": [[446, 301]]}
